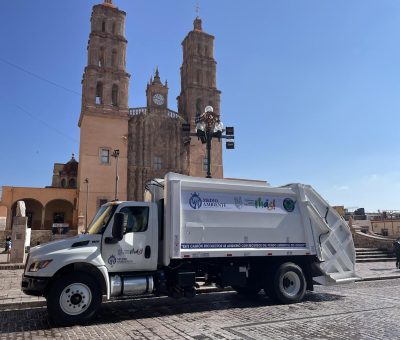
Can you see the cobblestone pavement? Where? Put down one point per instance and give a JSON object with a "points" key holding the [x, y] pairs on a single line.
{"points": [[11, 294], [363, 310]]}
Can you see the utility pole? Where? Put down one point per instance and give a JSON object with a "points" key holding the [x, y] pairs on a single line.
{"points": [[115, 154], [87, 200]]}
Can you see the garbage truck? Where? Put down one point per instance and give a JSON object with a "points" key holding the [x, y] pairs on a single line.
{"points": [[246, 235]]}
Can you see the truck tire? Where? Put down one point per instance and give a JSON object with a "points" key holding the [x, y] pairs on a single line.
{"points": [[289, 284], [73, 298]]}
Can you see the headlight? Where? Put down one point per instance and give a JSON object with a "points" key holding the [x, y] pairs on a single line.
{"points": [[35, 266]]}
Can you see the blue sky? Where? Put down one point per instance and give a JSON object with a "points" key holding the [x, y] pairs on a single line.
{"points": [[311, 87]]}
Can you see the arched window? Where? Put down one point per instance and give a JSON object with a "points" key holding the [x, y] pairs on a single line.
{"points": [[206, 51], [114, 95], [63, 183], [198, 49], [103, 26], [114, 58], [114, 26], [101, 57], [72, 183], [99, 93]]}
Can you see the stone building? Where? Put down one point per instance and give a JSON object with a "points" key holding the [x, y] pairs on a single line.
{"points": [[55, 205], [104, 114], [65, 175], [148, 140], [155, 141], [198, 89]]}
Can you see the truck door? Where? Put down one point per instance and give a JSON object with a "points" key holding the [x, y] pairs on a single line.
{"points": [[137, 251]]}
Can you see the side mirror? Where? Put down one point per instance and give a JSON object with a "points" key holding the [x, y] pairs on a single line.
{"points": [[117, 229]]}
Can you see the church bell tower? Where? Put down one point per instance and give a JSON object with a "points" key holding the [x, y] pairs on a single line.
{"points": [[104, 116], [157, 93], [198, 90]]}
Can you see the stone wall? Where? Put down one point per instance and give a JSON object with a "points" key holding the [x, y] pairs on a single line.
{"points": [[3, 221], [362, 240]]}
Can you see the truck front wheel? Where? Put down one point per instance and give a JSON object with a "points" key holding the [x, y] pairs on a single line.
{"points": [[289, 284], [73, 298]]}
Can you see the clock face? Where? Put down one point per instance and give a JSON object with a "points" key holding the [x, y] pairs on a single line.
{"points": [[158, 99]]}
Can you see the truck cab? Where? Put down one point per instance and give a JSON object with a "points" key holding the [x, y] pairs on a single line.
{"points": [[122, 238]]}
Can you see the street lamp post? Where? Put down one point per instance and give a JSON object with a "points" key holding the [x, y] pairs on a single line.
{"points": [[209, 126], [86, 208], [115, 154]]}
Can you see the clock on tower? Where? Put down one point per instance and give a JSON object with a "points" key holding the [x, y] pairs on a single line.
{"points": [[157, 93]]}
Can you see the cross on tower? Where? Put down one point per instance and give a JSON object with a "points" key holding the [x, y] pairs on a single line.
{"points": [[197, 8]]}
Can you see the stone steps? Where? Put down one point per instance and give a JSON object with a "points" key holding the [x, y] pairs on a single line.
{"points": [[376, 259], [374, 255]]}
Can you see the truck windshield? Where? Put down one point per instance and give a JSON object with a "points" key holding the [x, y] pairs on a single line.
{"points": [[101, 219]]}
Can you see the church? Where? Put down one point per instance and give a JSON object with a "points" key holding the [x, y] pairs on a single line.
{"points": [[121, 148]]}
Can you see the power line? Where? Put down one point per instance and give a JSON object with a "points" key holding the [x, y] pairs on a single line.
{"points": [[46, 124], [38, 77]]}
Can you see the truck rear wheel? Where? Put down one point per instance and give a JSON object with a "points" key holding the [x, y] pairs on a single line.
{"points": [[289, 284], [73, 298]]}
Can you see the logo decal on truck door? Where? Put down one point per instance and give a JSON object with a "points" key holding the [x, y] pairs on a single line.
{"points": [[112, 260], [195, 201]]}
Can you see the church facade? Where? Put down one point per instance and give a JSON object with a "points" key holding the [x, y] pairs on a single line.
{"points": [[148, 139], [121, 148]]}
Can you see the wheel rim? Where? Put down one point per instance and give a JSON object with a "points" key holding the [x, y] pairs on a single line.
{"points": [[290, 284], [75, 298]]}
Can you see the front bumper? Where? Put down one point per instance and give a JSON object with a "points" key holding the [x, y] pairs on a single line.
{"points": [[34, 285]]}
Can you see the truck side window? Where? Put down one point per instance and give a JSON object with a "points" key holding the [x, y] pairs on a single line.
{"points": [[137, 218]]}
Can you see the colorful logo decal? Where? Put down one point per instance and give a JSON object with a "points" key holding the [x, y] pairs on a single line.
{"points": [[289, 204], [136, 252], [269, 204], [112, 260], [195, 201]]}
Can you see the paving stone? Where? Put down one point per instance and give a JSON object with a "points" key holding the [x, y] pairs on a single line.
{"points": [[365, 310]]}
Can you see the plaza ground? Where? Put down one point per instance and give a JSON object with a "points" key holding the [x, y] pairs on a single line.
{"points": [[368, 309], [363, 310]]}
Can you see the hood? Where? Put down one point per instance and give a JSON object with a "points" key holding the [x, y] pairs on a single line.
{"points": [[54, 246]]}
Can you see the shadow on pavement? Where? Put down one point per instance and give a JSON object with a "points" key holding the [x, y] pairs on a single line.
{"points": [[36, 319]]}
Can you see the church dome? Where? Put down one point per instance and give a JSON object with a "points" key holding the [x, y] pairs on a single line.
{"points": [[71, 168]]}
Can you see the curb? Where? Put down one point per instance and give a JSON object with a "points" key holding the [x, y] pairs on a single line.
{"points": [[379, 278], [22, 305], [11, 266], [39, 304]]}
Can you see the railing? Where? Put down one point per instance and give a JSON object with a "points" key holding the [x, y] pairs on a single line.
{"points": [[136, 111], [172, 114]]}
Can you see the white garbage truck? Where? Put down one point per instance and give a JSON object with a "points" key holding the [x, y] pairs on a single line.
{"points": [[242, 234]]}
